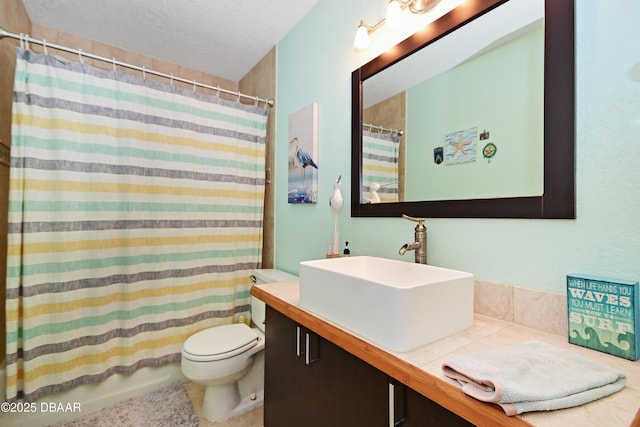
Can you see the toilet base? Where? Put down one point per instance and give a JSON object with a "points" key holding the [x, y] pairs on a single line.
{"points": [[222, 402], [219, 401]]}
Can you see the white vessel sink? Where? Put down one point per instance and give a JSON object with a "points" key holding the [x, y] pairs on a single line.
{"points": [[397, 305]]}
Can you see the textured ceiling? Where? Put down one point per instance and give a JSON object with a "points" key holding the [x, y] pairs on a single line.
{"points": [[221, 37]]}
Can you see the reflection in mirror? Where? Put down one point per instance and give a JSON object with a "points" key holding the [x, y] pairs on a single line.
{"points": [[474, 109], [381, 172], [383, 151], [506, 109]]}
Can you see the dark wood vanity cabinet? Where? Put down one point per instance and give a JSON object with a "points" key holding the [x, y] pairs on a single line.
{"points": [[310, 382]]}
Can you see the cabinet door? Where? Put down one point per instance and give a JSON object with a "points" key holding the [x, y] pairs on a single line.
{"points": [[328, 388], [286, 380], [421, 412], [358, 391]]}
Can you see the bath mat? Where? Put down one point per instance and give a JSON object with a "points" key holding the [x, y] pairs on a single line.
{"points": [[167, 407]]}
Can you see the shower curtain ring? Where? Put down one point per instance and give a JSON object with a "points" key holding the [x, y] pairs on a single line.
{"points": [[80, 56], [194, 85], [113, 61], [44, 44], [144, 73], [171, 79], [256, 101]]}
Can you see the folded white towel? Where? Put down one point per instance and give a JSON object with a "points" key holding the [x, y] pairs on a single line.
{"points": [[533, 376]]}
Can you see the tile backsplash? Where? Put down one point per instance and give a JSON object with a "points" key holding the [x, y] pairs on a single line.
{"points": [[546, 311]]}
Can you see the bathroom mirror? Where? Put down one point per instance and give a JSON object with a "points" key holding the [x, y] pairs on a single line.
{"points": [[547, 155]]}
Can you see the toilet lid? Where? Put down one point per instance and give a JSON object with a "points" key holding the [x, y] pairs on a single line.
{"points": [[220, 342]]}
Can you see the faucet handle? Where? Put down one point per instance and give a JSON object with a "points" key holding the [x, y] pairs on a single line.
{"points": [[410, 218]]}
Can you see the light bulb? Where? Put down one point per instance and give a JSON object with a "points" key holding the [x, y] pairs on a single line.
{"points": [[394, 14], [362, 37]]}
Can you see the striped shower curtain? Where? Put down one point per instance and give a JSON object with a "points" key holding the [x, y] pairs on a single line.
{"points": [[380, 165], [135, 217]]}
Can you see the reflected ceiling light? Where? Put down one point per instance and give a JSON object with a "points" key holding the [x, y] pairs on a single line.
{"points": [[392, 19]]}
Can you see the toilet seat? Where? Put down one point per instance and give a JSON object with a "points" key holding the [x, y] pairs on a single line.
{"points": [[218, 343]]}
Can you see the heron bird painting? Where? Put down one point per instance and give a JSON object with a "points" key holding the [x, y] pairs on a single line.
{"points": [[303, 162], [304, 159]]}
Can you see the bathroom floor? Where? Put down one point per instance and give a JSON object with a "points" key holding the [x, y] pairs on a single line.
{"points": [[250, 419]]}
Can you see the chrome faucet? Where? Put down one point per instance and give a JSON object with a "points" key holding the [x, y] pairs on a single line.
{"points": [[419, 246]]}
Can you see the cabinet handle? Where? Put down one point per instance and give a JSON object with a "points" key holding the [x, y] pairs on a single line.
{"points": [[298, 351], [307, 348], [311, 358], [395, 420]]}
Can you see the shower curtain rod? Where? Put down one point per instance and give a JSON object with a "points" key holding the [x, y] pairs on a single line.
{"points": [[144, 70], [382, 129]]}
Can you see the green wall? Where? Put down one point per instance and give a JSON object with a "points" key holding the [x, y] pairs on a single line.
{"points": [[315, 61]]}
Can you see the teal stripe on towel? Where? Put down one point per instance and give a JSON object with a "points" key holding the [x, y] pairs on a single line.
{"points": [[367, 144]]}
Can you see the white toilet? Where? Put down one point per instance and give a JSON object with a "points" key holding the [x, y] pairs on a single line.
{"points": [[229, 359]]}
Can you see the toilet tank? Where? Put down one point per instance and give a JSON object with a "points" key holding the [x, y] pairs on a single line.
{"points": [[259, 276]]}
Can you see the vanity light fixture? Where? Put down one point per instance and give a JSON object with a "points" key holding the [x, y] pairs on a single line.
{"points": [[393, 18], [362, 35]]}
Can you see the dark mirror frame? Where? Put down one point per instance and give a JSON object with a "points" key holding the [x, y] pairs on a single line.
{"points": [[558, 199]]}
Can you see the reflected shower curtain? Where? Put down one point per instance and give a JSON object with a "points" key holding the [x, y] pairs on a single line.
{"points": [[135, 218], [380, 166]]}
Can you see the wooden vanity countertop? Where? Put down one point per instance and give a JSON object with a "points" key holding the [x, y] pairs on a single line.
{"points": [[420, 369]]}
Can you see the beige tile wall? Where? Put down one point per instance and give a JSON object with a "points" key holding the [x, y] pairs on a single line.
{"points": [[262, 80], [542, 310]]}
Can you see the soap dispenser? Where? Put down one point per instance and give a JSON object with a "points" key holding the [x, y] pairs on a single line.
{"points": [[346, 251]]}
